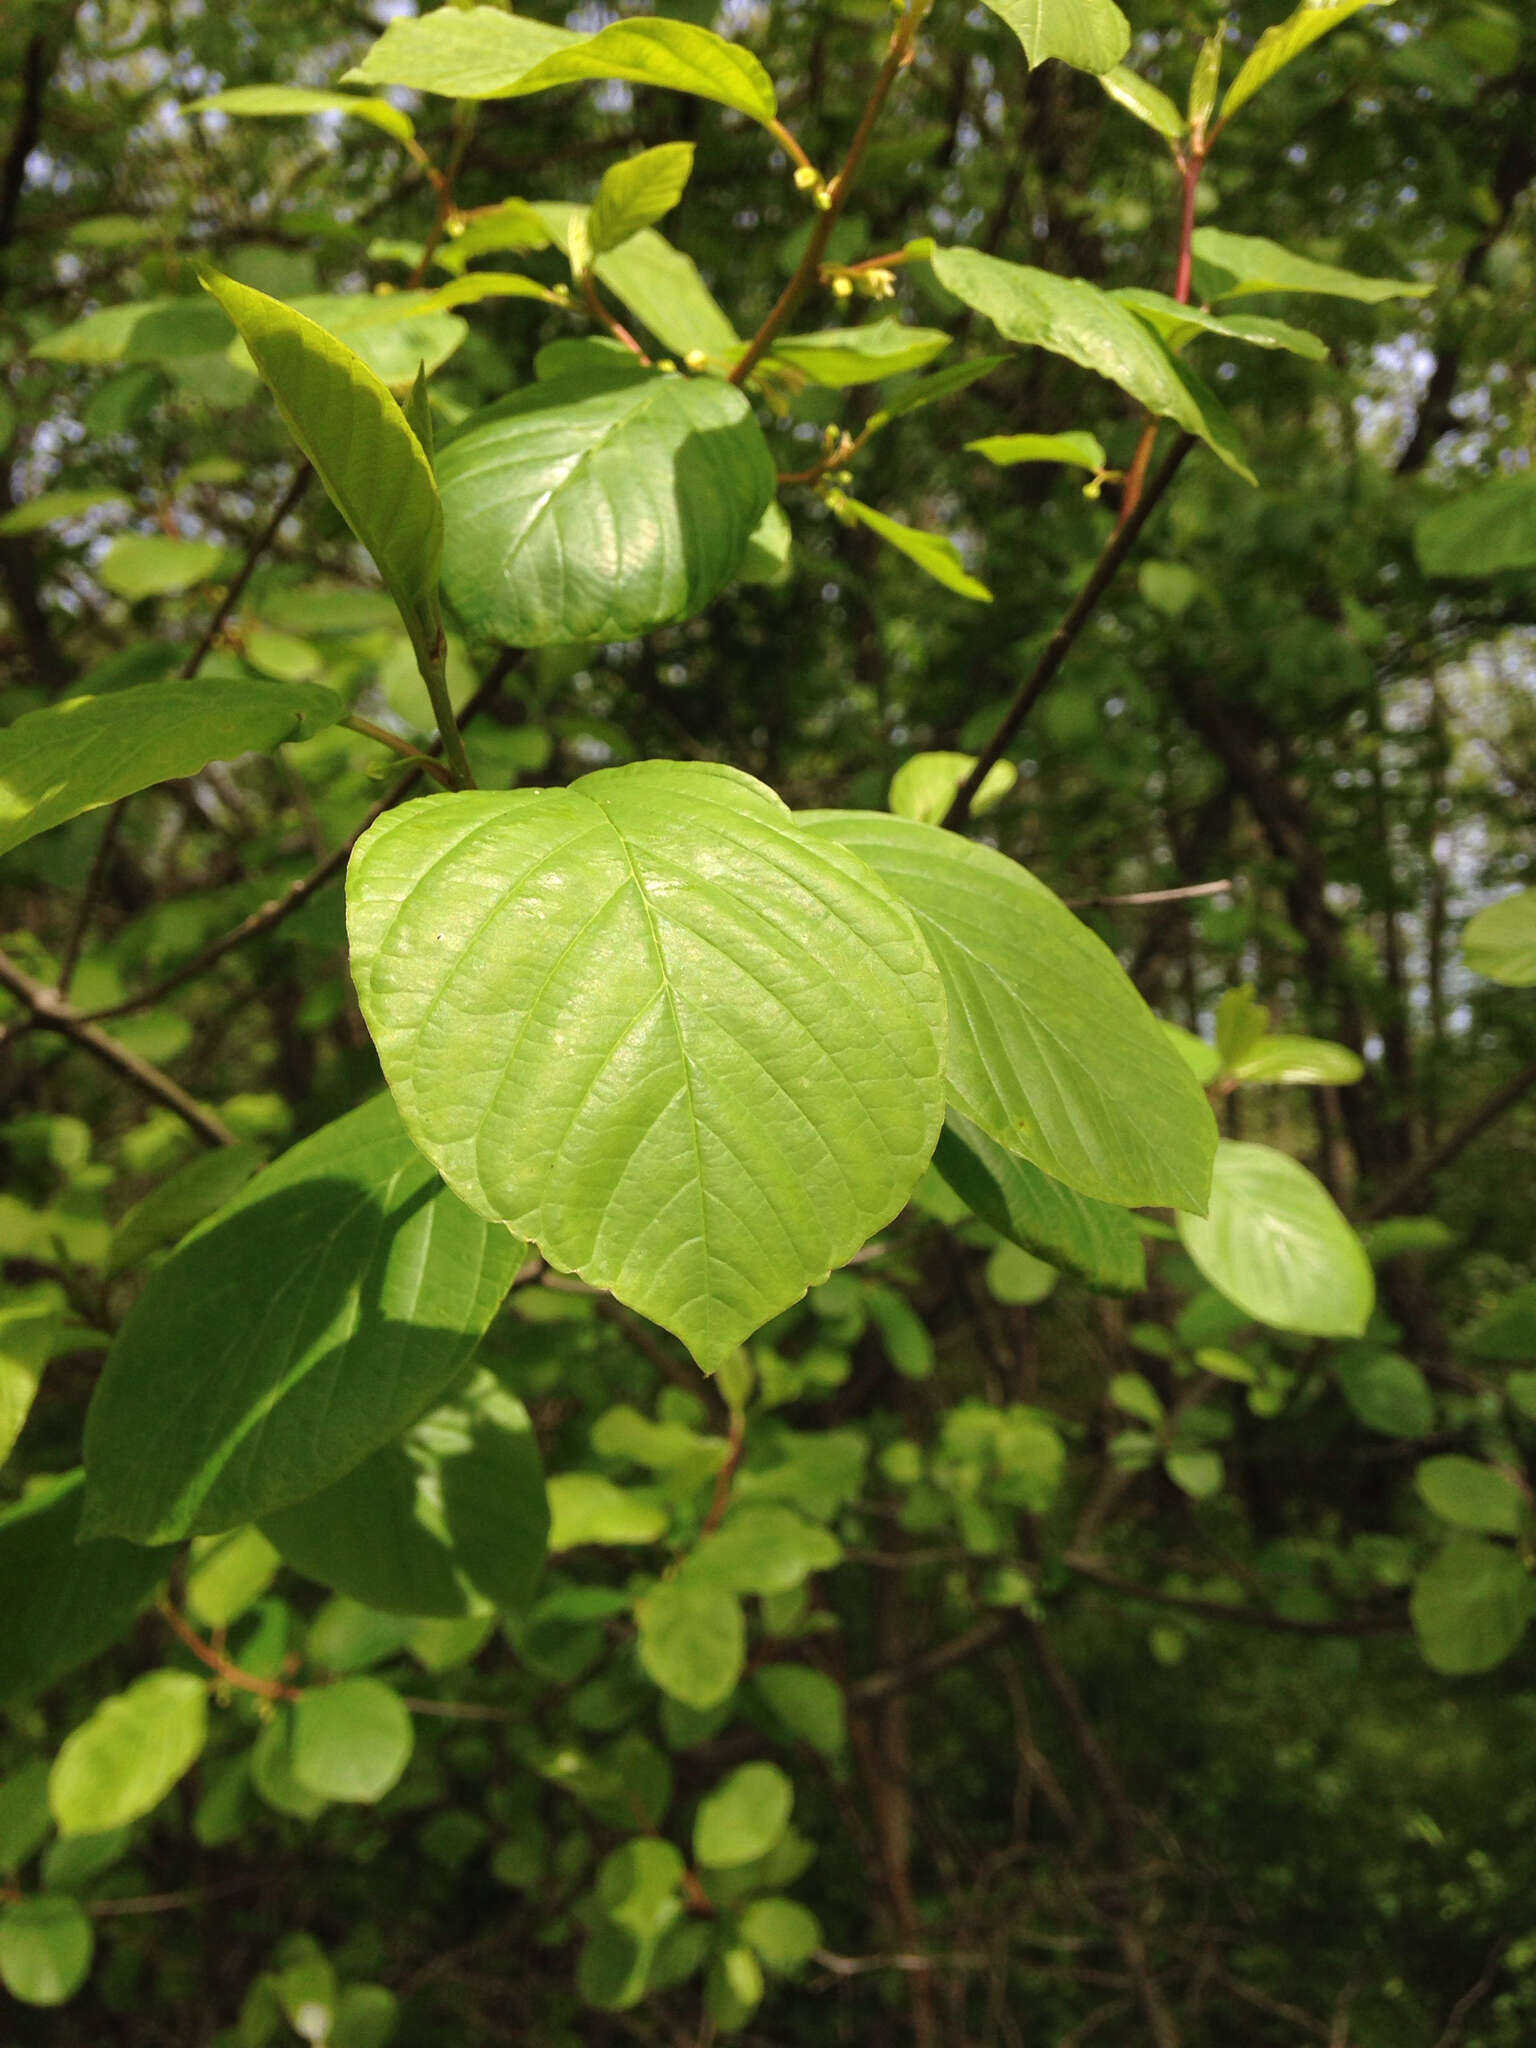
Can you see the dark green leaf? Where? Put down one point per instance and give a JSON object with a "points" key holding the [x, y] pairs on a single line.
{"points": [[1095, 1240]]}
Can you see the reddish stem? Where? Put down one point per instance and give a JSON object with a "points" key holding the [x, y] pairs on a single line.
{"points": [[231, 1674]]}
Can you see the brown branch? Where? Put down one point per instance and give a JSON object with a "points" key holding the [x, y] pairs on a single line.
{"points": [[220, 1665], [51, 1013], [1455, 2026], [879, 1685], [1184, 895], [1089, 1568], [606, 317], [1060, 644], [1488, 1112], [297, 486], [725, 1477]]}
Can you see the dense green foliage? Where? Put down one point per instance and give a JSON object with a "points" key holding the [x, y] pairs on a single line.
{"points": [[765, 1041]]}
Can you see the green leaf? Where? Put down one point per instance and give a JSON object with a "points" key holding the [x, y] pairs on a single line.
{"points": [[1231, 266], [1500, 941], [395, 335], [925, 391], [25, 1822], [783, 1933], [1470, 1495], [272, 1773], [151, 331], [479, 53], [1520, 1390], [733, 1987], [594, 509], [933, 553], [66, 1601], [1051, 1051], [1307, 1062], [636, 192], [270, 101], [1470, 1606], [1092, 328], [29, 1325], [1206, 78], [1285, 41], [1241, 1022], [658, 284], [350, 1741], [226, 1574], [1203, 1060], [170, 1210], [860, 355], [50, 506], [1146, 101], [1274, 1243], [586, 1508], [46, 1945], [692, 1641], [1176, 323], [82, 752], [743, 1818], [1200, 1474], [695, 1055], [808, 1702], [1480, 532], [761, 1547], [354, 433], [120, 1763], [1095, 1240], [296, 1331], [1387, 1393], [637, 1886], [471, 291], [1134, 1395], [139, 565], [1090, 35], [1508, 1331], [903, 1332], [366, 2017], [1018, 1278], [1004, 449]]}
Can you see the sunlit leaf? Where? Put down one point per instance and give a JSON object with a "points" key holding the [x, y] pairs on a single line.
{"points": [[1090, 35], [272, 101], [1500, 941], [1286, 40]]}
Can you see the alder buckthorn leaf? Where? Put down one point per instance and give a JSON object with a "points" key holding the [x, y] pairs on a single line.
{"points": [[274, 101], [46, 1944], [1285, 41], [1500, 941], [350, 1741], [123, 1760], [1090, 35], [1096, 1240], [297, 1330], [637, 191], [743, 1817], [1051, 1050], [693, 1054]]}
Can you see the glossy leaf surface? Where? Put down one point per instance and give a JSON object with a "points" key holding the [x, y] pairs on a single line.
{"points": [[1090, 35]]}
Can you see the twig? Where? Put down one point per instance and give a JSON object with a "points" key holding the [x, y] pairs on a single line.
{"points": [[1456, 2020], [169, 1902], [607, 318], [288, 502], [879, 1685], [1057, 648], [53, 1014], [725, 1477], [1215, 1610], [1186, 894], [1488, 1112], [106, 846], [229, 1673], [396, 745]]}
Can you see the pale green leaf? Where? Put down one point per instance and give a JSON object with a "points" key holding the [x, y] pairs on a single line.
{"points": [[743, 1817], [1500, 941], [1470, 1606], [692, 1641], [768, 548], [25, 1822], [924, 787], [1203, 1060], [1051, 1052], [637, 1885], [658, 284], [843, 356], [356, 436], [29, 1325], [1241, 1021], [1197, 1473], [46, 1945], [52, 506], [1387, 1393], [1481, 532], [1275, 1244], [637, 192], [514, 224], [295, 1332], [272, 1771], [935, 554], [586, 1508], [1285, 41], [1309, 1062], [782, 1932], [594, 509], [1017, 1278], [121, 1763], [139, 565], [1471, 1495], [227, 1574], [350, 1741], [1206, 78], [1095, 1240], [761, 1547], [479, 53], [1092, 328], [1177, 323], [1229, 266], [151, 331], [693, 1054], [1084, 450], [1146, 101], [396, 335], [1134, 1395], [1090, 35], [268, 101], [82, 752]]}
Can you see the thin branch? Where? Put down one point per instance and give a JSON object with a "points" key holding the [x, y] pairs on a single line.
{"points": [[1488, 1112], [609, 319], [50, 1013], [288, 502], [1060, 644], [396, 745], [106, 847], [1455, 2026], [226, 1672], [879, 1685], [1089, 1568], [1184, 895]]}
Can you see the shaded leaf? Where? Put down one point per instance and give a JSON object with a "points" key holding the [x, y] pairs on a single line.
{"points": [[1471, 1495], [1470, 1606], [46, 1945], [1480, 532], [350, 1741]]}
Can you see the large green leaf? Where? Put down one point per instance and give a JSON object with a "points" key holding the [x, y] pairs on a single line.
{"points": [[454, 1511], [1093, 1239], [1274, 1243], [860, 355], [636, 192], [29, 1324], [692, 1054], [272, 101], [65, 1601], [150, 331], [295, 1332], [1090, 35], [1051, 1050], [139, 565], [1480, 532], [1500, 941], [123, 1760], [1286, 40], [359, 441], [1090, 327], [1470, 1606], [593, 508], [83, 752], [1231, 266], [479, 53]]}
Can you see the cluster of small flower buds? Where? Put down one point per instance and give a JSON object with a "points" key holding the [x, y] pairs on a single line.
{"points": [[877, 283]]}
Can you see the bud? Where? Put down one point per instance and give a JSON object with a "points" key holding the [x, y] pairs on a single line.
{"points": [[842, 287], [695, 359], [806, 177]]}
